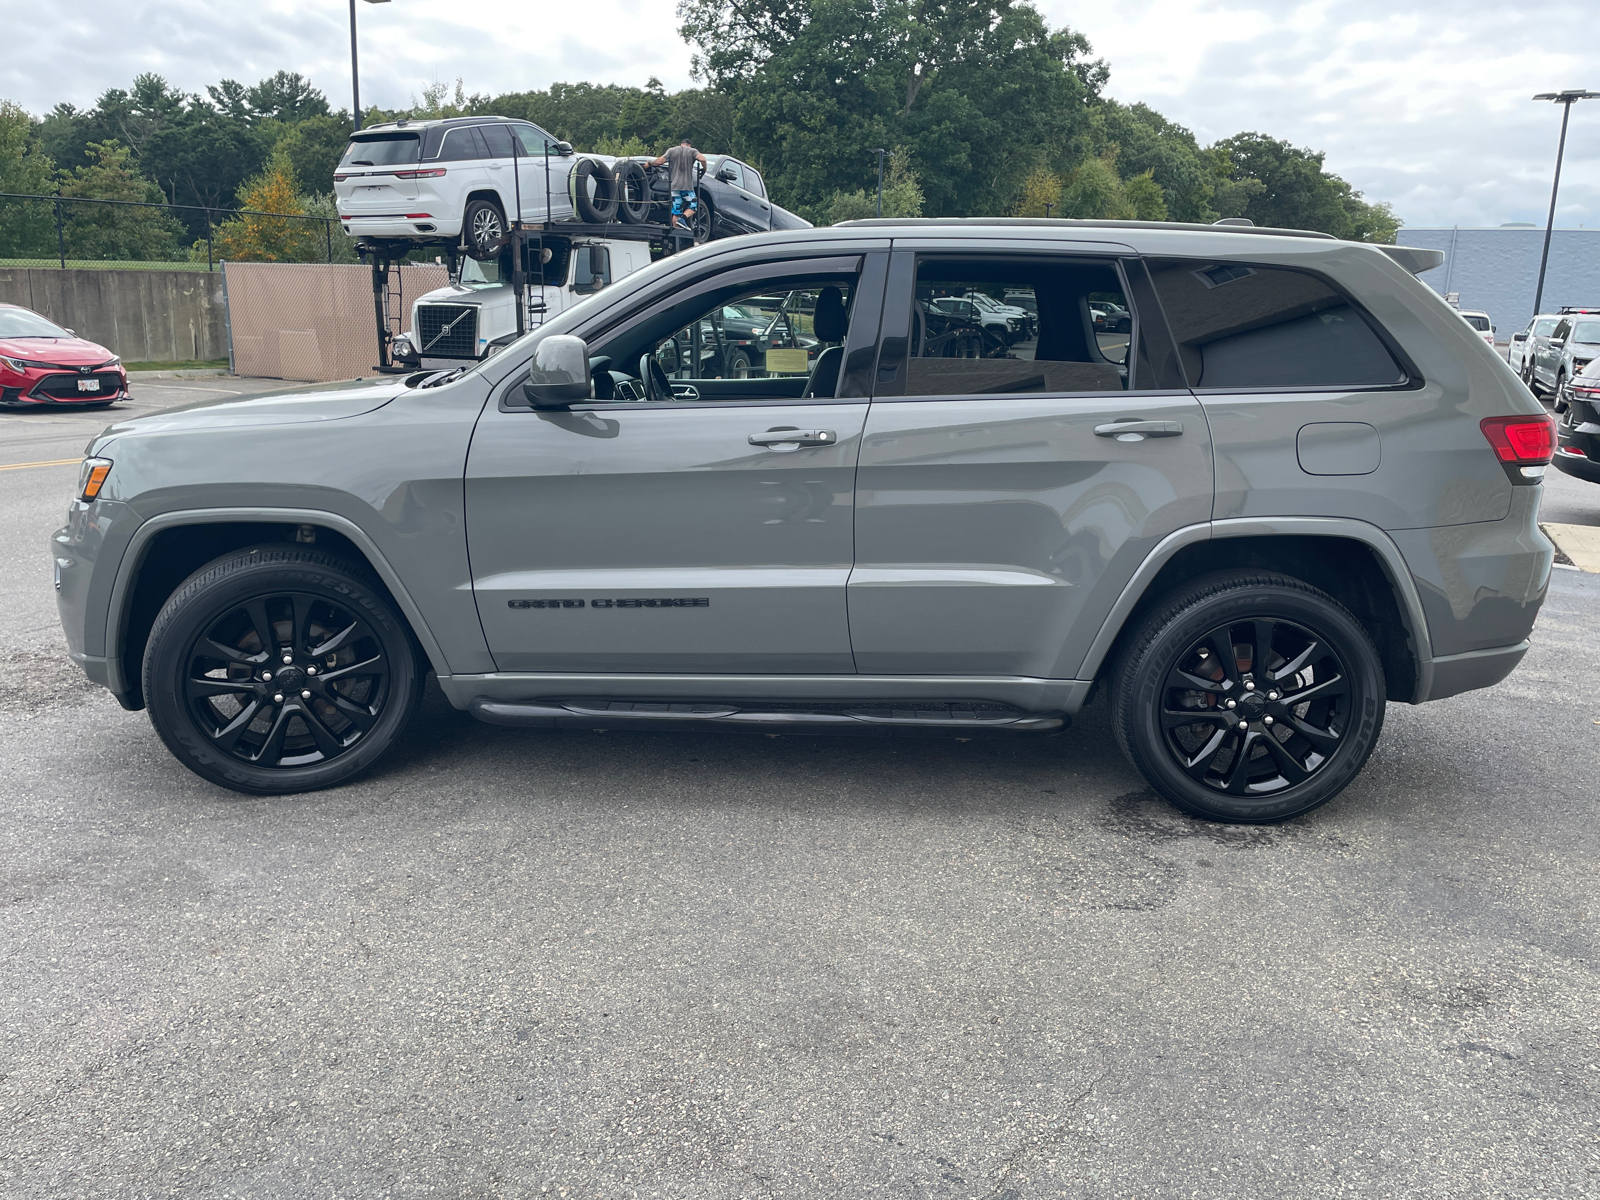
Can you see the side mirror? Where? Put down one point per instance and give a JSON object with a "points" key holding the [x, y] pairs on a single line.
{"points": [[726, 175], [559, 373], [1519, 337], [564, 149], [668, 356], [73, 332]]}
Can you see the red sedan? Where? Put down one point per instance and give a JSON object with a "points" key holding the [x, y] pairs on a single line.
{"points": [[44, 365]]}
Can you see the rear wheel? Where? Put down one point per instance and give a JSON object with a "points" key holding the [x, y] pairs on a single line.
{"points": [[1248, 697], [279, 669], [484, 224]]}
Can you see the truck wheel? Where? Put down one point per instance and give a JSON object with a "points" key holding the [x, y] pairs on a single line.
{"points": [[279, 669], [632, 189], [594, 192], [484, 224], [739, 365], [1248, 697]]}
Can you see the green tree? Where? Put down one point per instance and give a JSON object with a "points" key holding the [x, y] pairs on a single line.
{"points": [[902, 195], [1149, 144], [1145, 198], [313, 147], [1094, 191], [1295, 192], [115, 231], [977, 93], [267, 232], [1041, 195], [27, 227]]}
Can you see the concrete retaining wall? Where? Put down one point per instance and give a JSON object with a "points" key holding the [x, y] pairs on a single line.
{"points": [[145, 316]]}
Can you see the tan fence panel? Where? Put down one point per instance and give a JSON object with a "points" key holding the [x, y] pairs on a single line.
{"points": [[314, 321]]}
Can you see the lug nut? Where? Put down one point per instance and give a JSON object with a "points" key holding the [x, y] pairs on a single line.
{"points": [[313, 671], [288, 658], [1233, 704], [1272, 695], [306, 695], [1266, 720], [1243, 725], [277, 697], [266, 675], [1248, 686]]}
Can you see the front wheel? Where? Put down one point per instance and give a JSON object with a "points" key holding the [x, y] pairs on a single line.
{"points": [[1248, 697], [700, 221], [279, 669]]}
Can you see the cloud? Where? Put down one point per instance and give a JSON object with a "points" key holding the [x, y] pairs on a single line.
{"points": [[1425, 105]]}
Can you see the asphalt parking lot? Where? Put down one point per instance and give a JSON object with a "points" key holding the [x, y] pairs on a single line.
{"points": [[515, 964]]}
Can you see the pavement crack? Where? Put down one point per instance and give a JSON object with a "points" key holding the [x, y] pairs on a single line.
{"points": [[1052, 1137]]}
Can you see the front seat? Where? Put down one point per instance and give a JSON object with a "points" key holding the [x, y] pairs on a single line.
{"points": [[829, 323]]}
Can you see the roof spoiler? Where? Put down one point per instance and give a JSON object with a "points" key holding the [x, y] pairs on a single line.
{"points": [[1413, 259]]}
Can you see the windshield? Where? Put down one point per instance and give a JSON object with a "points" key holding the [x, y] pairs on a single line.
{"points": [[1477, 321], [1586, 331], [478, 273], [20, 323], [382, 150]]}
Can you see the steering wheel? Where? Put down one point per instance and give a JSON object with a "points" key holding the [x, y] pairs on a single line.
{"points": [[654, 377]]}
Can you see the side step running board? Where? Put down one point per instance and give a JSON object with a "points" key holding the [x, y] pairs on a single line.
{"points": [[943, 719]]}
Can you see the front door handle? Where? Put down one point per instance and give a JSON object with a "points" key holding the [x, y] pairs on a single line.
{"points": [[795, 437], [1132, 429]]}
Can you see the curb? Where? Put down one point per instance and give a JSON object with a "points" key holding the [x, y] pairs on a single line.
{"points": [[1579, 544], [198, 373]]}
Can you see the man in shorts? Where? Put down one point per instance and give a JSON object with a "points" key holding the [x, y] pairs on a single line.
{"points": [[681, 160]]}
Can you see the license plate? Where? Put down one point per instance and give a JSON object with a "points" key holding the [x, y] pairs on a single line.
{"points": [[88, 385]]}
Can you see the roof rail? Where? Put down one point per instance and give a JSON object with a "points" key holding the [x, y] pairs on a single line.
{"points": [[1074, 223]]}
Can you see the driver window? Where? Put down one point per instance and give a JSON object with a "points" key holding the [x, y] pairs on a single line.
{"points": [[782, 339]]}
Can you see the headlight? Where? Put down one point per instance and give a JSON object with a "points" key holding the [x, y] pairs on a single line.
{"points": [[16, 364], [92, 477], [114, 361]]}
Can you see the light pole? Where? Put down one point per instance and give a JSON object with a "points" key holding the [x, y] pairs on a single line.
{"points": [[880, 153], [355, 72], [1566, 99]]}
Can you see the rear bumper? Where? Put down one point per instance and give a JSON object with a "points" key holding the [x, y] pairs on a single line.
{"points": [[433, 226], [1457, 673]]}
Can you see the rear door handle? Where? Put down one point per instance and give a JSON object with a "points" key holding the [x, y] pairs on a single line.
{"points": [[1135, 430], [795, 437]]}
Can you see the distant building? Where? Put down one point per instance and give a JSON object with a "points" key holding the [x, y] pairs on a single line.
{"points": [[1497, 270]]}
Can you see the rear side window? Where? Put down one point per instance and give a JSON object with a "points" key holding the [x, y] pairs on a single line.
{"points": [[752, 182], [463, 144], [1239, 325], [382, 150], [1481, 324]]}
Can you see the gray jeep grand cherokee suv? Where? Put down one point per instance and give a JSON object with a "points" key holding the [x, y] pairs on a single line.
{"points": [[1299, 486]]}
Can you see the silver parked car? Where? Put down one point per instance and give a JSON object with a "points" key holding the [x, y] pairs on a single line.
{"points": [[1295, 486]]}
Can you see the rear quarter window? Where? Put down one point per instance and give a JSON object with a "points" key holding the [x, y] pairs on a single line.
{"points": [[382, 150], [1240, 325]]}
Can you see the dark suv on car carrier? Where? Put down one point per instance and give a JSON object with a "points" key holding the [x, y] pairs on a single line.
{"points": [[1295, 486]]}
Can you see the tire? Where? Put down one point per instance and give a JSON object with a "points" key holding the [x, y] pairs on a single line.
{"points": [[739, 365], [205, 659], [1197, 765], [483, 225], [632, 189], [701, 221], [594, 193]]}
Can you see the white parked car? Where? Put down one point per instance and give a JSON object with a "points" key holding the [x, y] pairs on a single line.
{"points": [[476, 313], [1009, 312], [1524, 344], [431, 180], [1481, 322]]}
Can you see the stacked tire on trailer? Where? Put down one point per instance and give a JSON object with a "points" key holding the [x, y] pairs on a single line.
{"points": [[600, 195]]}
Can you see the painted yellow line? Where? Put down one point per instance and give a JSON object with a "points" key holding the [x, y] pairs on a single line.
{"points": [[49, 462]]}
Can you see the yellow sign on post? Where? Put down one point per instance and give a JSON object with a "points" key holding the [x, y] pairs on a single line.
{"points": [[787, 362]]}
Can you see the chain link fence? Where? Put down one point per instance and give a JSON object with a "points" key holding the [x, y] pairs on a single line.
{"points": [[77, 231]]}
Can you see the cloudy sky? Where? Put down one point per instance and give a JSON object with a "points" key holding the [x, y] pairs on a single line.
{"points": [[1423, 104]]}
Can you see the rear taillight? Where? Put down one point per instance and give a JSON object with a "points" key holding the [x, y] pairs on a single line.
{"points": [[1524, 444], [433, 174]]}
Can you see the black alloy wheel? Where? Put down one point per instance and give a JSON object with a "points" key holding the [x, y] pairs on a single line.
{"points": [[279, 670], [700, 221], [485, 228], [1249, 697]]}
